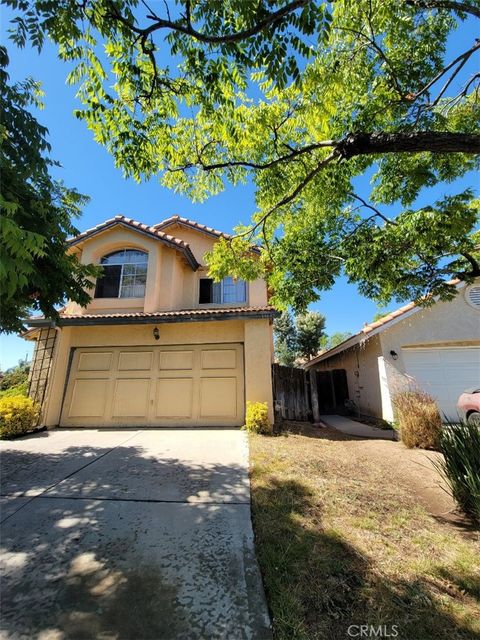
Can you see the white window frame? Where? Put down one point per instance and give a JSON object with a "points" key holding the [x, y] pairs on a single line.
{"points": [[122, 265], [221, 284]]}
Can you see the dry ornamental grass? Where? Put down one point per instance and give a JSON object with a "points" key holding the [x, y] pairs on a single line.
{"points": [[418, 418]]}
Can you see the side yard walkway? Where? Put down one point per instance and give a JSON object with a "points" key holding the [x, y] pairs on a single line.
{"points": [[355, 428]]}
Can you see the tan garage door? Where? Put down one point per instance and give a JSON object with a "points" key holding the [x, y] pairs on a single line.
{"points": [[180, 385]]}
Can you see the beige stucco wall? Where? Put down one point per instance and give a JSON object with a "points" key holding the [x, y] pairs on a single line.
{"points": [[452, 323], [171, 282], [254, 334]]}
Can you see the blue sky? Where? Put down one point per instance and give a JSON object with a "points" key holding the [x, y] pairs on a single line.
{"points": [[89, 168]]}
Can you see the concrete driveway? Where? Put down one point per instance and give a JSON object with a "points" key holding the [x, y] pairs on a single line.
{"points": [[129, 534]]}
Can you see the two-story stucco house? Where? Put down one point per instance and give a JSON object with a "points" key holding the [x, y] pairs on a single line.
{"points": [[160, 344]]}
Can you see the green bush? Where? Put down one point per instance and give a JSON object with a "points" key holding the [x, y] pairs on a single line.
{"points": [[15, 376], [257, 418], [19, 390], [18, 415], [460, 445], [418, 419]]}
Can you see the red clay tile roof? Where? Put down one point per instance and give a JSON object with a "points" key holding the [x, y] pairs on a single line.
{"points": [[190, 223], [370, 326], [367, 328], [198, 226], [167, 239], [161, 316]]}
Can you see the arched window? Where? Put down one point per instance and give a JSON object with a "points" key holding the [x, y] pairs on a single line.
{"points": [[124, 275]]}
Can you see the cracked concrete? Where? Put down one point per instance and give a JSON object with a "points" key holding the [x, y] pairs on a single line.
{"points": [[129, 534]]}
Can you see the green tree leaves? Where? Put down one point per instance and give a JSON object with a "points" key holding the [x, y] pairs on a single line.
{"points": [[35, 270], [303, 98], [299, 338]]}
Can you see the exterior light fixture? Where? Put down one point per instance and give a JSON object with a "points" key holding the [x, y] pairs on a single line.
{"points": [[394, 354], [156, 333]]}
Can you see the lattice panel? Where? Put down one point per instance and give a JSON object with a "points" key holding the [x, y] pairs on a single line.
{"points": [[41, 364]]}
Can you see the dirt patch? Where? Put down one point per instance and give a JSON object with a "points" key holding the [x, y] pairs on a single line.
{"points": [[412, 468], [354, 531]]}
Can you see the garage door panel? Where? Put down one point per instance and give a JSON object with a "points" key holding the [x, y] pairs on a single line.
{"points": [[218, 397], [176, 360], [88, 398], [444, 373], [219, 359], [135, 360], [96, 361], [168, 385], [174, 398], [131, 398]]}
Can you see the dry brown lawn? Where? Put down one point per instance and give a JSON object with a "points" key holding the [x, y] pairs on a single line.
{"points": [[359, 532]]}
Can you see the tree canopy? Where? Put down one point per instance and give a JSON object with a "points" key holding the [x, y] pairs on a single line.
{"points": [[36, 211], [303, 98], [302, 337]]}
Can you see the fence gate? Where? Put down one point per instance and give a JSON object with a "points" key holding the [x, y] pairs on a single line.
{"points": [[304, 395], [291, 393]]}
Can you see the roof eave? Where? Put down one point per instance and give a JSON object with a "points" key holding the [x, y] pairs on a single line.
{"points": [[152, 319], [187, 252], [170, 222], [364, 335]]}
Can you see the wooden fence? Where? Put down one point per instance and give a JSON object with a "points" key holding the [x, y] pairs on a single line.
{"points": [[304, 395]]}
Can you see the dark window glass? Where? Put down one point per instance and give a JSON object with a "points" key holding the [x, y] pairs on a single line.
{"points": [[124, 275], [226, 291], [206, 287], [108, 285]]}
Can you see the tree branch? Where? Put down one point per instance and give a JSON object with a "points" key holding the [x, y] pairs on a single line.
{"points": [[459, 7], [253, 165], [461, 58], [475, 272], [376, 212], [188, 29], [357, 144], [291, 196]]}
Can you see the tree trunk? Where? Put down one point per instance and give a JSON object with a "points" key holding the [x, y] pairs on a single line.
{"points": [[357, 144]]}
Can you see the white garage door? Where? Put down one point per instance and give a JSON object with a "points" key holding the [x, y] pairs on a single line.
{"points": [[444, 373], [180, 385]]}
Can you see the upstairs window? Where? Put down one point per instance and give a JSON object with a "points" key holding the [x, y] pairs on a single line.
{"points": [[124, 275], [226, 291]]}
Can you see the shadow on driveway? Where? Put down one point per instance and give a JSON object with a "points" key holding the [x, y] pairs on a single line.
{"points": [[147, 537]]}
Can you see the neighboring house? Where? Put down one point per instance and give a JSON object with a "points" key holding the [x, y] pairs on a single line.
{"points": [[436, 348], [160, 344]]}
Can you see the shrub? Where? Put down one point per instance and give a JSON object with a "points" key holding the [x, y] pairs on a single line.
{"points": [[18, 415], [418, 419], [15, 376], [19, 390], [460, 445], [257, 418]]}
